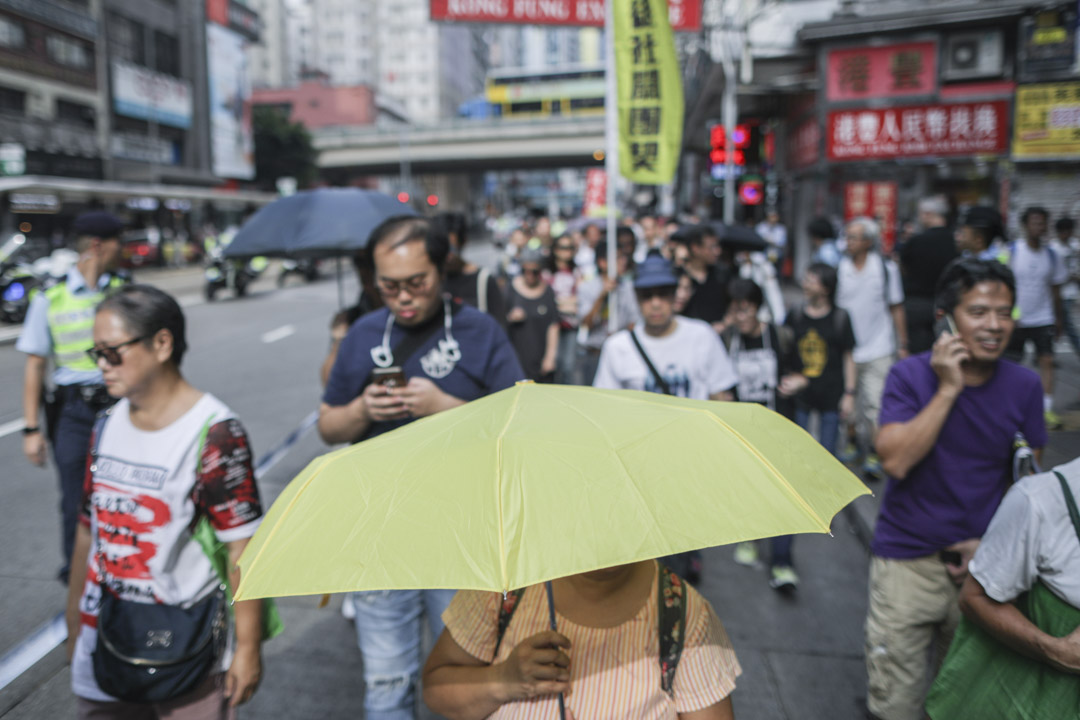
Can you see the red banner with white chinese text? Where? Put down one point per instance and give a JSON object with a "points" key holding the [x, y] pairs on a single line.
{"points": [[685, 15], [881, 72], [918, 131]]}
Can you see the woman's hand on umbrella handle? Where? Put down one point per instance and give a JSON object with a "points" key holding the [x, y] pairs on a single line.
{"points": [[536, 667]]}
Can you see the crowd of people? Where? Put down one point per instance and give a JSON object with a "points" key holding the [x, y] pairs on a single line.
{"points": [[898, 362]]}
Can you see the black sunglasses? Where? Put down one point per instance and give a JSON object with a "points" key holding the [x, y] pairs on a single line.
{"points": [[110, 353]]}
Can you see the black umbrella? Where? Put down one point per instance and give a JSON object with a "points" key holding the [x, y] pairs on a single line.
{"points": [[328, 222], [739, 238]]}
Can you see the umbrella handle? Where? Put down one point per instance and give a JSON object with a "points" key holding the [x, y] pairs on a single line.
{"points": [[551, 614]]}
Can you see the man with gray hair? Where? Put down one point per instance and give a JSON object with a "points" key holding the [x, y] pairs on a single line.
{"points": [[922, 260], [869, 289]]}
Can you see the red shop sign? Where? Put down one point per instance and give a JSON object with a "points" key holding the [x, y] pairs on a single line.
{"points": [[595, 191], [876, 200], [684, 14], [804, 145], [882, 72], [917, 131]]}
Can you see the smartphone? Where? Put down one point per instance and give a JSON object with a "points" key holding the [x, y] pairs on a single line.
{"points": [[951, 557], [390, 376], [946, 324], [952, 325]]}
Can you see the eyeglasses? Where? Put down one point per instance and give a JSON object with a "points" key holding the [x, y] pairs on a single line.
{"points": [[564, 247], [111, 353], [530, 271], [414, 285]]}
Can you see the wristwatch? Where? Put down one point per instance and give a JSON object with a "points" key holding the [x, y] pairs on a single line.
{"points": [[30, 430]]}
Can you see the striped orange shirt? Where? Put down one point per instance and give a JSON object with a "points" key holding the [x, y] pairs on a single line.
{"points": [[614, 672]]}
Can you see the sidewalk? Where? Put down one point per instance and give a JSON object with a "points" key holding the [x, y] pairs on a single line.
{"points": [[1064, 444]]}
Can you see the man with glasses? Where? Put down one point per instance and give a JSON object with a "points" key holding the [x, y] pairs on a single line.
{"points": [[59, 326], [420, 354]]}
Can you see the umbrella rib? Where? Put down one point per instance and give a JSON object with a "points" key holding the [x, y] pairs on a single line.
{"points": [[768, 465], [498, 488]]}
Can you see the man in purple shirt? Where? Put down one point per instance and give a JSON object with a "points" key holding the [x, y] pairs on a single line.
{"points": [[948, 422]]}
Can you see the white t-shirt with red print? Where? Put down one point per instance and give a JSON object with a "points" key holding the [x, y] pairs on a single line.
{"points": [[144, 494]]}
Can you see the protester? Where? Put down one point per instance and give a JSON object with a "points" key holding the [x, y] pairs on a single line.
{"points": [[666, 354], [922, 259], [59, 328], [1066, 245], [754, 266], [564, 278], [949, 421], [606, 657], [471, 284], [533, 318], [710, 277], [587, 254], [1040, 273], [980, 234], [516, 242], [651, 237], [823, 242], [824, 340], [869, 289], [448, 353], [594, 308], [167, 460], [770, 373], [343, 319], [775, 235]]}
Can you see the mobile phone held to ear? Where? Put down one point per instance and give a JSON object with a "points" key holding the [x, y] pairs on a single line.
{"points": [[391, 377], [945, 324], [952, 324]]}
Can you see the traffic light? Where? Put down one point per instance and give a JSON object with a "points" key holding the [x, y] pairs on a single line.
{"points": [[432, 200], [403, 197], [717, 144], [751, 191]]}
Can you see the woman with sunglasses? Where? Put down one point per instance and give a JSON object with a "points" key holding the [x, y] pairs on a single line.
{"points": [[564, 279], [533, 318], [170, 468]]}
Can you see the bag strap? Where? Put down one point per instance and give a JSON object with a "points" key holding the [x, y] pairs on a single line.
{"points": [[672, 625], [660, 381], [482, 289], [1070, 501]]}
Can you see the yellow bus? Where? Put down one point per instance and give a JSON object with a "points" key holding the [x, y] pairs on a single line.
{"points": [[517, 93]]}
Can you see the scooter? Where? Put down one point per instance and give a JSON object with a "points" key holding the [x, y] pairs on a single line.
{"points": [[222, 272], [307, 268], [18, 277]]}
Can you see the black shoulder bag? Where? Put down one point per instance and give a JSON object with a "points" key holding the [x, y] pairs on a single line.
{"points": [[148, 652], [660, 381]]}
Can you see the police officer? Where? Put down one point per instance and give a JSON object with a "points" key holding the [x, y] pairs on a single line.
{"points": [[59, 326]]}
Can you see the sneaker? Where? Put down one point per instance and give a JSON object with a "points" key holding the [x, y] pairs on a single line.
{"points": [[871, 469], [1053, 420], [348, 609], [849, 454], [746, 554], [784, 578]]}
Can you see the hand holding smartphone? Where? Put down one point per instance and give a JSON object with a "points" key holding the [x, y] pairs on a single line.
{"points": [[390, 377]]}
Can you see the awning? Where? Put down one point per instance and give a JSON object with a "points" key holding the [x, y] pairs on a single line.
{"points": [[73, 188]]}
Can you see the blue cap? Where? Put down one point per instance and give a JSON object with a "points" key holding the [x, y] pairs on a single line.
{"points": [[655, 272], [99, 224]]}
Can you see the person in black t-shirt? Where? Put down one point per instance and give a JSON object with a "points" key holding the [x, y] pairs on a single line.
{"points": [[708, 273], [770, 373], [824, 340], [922, 260]]}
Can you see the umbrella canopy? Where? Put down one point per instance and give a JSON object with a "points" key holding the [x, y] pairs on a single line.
{"points": [[739, 238], [328, 222], [538, 482]]}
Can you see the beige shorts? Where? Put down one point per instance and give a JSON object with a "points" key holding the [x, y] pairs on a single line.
{"points": [[911, 620]]}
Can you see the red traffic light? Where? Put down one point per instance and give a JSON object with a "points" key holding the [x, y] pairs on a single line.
{"points": [[432, 200], [741, 137], [752, 192], [718, 157], [403, 197]]}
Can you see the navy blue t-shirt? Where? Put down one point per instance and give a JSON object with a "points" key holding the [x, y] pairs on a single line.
{"points": [[488, 362]]}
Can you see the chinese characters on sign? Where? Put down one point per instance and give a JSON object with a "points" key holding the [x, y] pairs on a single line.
{"points": [[650, 92], [1047, 121], [805, 144], [876, 200], [683, 15], [957, 129], [595, 193], [879, 72]]}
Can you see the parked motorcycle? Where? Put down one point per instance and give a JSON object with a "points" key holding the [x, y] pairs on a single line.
{"points": [[307, 268], [20, 273], [223, 273]]}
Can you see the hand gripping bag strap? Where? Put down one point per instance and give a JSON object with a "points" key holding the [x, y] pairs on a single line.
{"points": [[671, 609], [1070, 501], [218, 553], [660, 382]]}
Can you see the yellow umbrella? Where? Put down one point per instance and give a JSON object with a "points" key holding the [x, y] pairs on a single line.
{"points": [[538, 482]]}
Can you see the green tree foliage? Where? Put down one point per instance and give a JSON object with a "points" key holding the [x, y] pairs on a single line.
{"points": [[282, 149]]}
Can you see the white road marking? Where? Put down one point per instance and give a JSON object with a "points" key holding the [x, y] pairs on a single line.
{"points": [[11, 427], [279, 334], [29, 651]]}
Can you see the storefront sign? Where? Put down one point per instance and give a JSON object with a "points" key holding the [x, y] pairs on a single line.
{"points": [[1048, 42], [919, 131], [650, 93], [33, 203], [882, 72], [148, 95], [232, 142], [595, 193], [806, 145], [876, 200], [128, 146], [683, 14], [12, 159], [1047, 121]]}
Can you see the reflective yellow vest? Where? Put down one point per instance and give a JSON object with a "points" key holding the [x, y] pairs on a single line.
{"points": [[71, 324]]}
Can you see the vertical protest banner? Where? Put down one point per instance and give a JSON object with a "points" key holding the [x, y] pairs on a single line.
{"points": [[650, 94]]}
